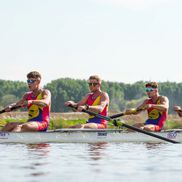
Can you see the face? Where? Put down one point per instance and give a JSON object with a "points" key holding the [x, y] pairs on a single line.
{"points": [[150, 91], [33, 83], [93, 85]]}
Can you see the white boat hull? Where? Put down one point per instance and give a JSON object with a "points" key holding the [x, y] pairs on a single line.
{"points": [[85, 136]]}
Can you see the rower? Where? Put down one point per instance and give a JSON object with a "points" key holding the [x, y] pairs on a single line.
{"points": [[96, 101], [37, 101], [157, 108]]}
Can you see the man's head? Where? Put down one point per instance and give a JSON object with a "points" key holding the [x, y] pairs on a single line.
{"points": [[34, 74], [95, 78], [151, 88], [151, 84], [33, 79], [94, 82]]}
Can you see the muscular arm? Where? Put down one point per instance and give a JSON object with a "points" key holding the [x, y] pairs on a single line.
{"points": [[82, 104], [77, 104], [45, 101], [136, 110], [20, 103], [103, 102], [163, 106]]}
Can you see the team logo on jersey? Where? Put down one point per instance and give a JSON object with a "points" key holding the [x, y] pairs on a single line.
{"points": [[34, 111], [154, 114]]}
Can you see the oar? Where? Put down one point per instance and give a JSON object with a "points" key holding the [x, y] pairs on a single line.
{"points": [[123, 113], [12, 108], [126, 125]]}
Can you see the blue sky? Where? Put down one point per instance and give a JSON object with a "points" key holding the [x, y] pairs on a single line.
{"points": [[120, 40]]}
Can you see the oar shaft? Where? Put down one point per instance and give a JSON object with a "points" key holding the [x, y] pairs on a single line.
{"points": [[96, 115], [117, 115], [13, 108], [124, 113], [148, 133], [128, 126]]}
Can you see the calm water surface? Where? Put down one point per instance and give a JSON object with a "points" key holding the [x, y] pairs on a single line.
{"points": [[91, 162]]}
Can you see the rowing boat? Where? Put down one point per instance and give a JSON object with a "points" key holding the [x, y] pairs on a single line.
{"points": [[85, 136]]}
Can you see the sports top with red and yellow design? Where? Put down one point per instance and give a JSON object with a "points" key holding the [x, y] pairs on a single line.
{"points": [[155, 116], [37, 113], [91, 101]]}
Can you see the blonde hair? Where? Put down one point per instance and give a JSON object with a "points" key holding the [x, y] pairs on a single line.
{"points": [[95, 77]]}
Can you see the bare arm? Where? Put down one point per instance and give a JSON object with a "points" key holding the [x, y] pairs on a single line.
{"points": [[178, 110], [77, 104], [103, 102], [19, 103], [45, 101], [136, 110], [163, 106], [82, 104]]}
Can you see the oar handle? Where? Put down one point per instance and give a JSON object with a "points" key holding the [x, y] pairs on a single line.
{"points": [[117, 115], [124, 113], [13, 108], [92, 113]]}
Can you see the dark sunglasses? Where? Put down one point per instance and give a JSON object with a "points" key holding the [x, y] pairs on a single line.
{"points": [[92, 84], [149, 89], [30, 81]]}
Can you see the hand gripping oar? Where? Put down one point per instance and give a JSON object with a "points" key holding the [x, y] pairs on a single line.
{"points": [[11, 109], [126, 125]]}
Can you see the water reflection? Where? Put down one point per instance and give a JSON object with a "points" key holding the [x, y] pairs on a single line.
{"points": [[96, 150], [151, 146], [42, 149], [37, 155]]}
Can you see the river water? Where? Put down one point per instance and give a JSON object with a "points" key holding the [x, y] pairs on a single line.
{"points": [[80, 162]]}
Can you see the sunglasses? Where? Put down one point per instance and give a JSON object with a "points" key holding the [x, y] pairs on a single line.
{"points": [[149, 89], [92, 84], [30, 81]]}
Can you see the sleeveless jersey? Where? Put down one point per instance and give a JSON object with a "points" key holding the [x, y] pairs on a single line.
{"points": [[95, 102], [155, 116], [37, 113]]}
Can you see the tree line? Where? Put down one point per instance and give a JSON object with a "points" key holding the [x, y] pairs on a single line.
{"points": [[122, 95]]}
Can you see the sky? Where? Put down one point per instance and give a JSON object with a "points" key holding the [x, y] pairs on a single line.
{"points": [[120, 40]]}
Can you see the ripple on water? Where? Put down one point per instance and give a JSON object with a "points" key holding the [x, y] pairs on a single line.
{"points": [[91, 162]]}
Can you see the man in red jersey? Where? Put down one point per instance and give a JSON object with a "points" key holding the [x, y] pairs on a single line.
{"points": [[157, 108], [37, 101], [96, 101]]}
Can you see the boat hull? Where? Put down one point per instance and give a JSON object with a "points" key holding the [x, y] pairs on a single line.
{"points": [[85, 136]]}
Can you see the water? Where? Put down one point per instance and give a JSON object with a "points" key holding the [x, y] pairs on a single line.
{"points": [[90, 162]]}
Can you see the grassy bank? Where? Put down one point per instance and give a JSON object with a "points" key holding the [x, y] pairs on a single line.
{"points": [[65, 120]]}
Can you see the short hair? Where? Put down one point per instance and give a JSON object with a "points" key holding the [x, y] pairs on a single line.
{"points": [[34, 74], [96, 77], [152, 84]]}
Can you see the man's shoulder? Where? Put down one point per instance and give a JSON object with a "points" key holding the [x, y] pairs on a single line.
{"points": [[163, 97], [104, 95], [28, 93], [46, 91], [147, 100]]}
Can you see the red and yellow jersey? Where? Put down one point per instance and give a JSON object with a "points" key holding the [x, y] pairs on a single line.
{"points": [[155, 116], [37, 113], [94, 102]]}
